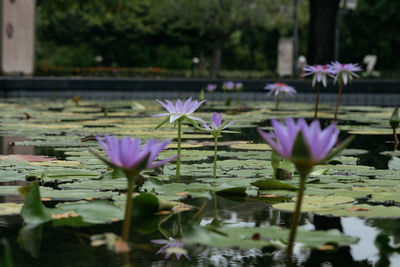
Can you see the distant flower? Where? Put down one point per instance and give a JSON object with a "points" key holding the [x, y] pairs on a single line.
{"points": [[171, 246], [239, 86], [178, 113], [216, 123], [318, 142], [344, 72], [180, 110], [216, 129], [280, 88], [126, 153], [320, 73], [211, 87], [228, 86]]}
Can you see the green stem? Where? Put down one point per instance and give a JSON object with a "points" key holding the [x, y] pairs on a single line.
{"points": [[396, 141], [180, 232], [215, 206], [277, 101], [274, 173], [178, 161], [338, 100], [296, 214], [128, 209], [317, 101], [215, 155]]}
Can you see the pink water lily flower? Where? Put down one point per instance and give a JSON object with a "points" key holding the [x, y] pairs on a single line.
{"points": [[344, 72], [279, 88], [180, 109], [211, 87], [318, 142], [216, 123], [127, 154], [320, 73]]}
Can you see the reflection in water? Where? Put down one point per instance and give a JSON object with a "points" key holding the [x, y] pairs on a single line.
{"points": [[378, 245], [8, 147]]}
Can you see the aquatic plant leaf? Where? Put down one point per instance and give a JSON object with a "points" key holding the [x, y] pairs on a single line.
{"points": [[251, 146], [271, 184], [8, 190], [233, 191], [394, 163], [145, 204], [30, 158], [11, 175], [5, 254], [10, 208], [75, 194], [33, 212], [31, 238], [268, 236], [57, 163], [144, 209], [93, 212], [341, 206]]}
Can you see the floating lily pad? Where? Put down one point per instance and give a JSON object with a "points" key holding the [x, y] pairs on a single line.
{"points": [[266, 236]]}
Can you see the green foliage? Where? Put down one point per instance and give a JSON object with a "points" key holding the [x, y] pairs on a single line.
{"points": [[371, 29], [271, 184], [161, 33], [5, 254], [258, 237]]}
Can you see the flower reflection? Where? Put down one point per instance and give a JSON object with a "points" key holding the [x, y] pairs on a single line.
{"points": [[171, 246]]}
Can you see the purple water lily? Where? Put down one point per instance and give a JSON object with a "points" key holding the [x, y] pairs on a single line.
{"points": [[320, 73], [211, 87], [278, 89], [238, 86], [127, 154], [216, 122], [319, 142], [344, 72], [171, 246], [228, 86], [216, 129], [180, 110], [304, 145]]}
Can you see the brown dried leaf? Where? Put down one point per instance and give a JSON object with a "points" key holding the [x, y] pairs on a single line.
{"points": [[121, 246], [163, 212], [30, 158], [355, 209], [327, 247]]}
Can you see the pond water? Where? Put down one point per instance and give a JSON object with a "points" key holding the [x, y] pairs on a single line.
{"points": [[366, 172]]}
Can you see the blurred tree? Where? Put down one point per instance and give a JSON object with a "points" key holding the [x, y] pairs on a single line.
{"points": [[105, 25], [164, 33], [210, 23], [373, 28], [323, 14]]}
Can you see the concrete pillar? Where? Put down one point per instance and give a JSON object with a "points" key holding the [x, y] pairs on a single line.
{"points": [[17, 37]]}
